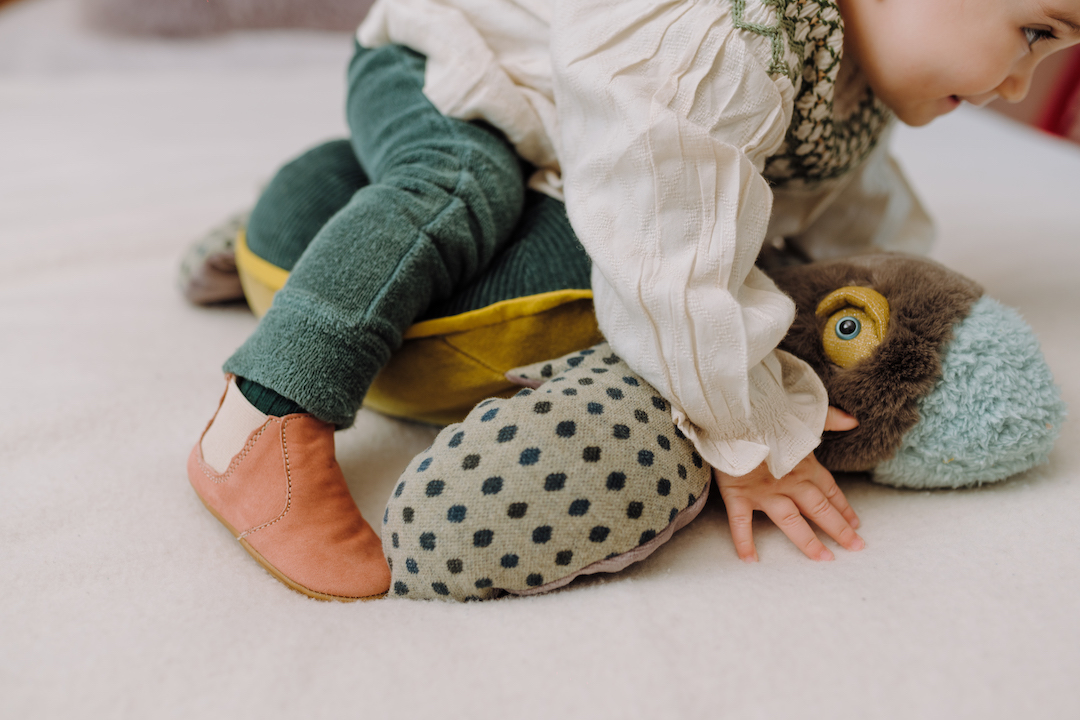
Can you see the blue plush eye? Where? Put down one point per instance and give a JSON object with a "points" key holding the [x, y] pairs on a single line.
{"points": [[848, 328]]}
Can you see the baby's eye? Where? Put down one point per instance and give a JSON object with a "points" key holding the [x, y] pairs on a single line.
{"points": [[857, 320], [1034, 35]]}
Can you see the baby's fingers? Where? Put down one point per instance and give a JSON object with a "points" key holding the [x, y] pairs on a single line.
{"points": [[823, 511], [787, 517], [741, 518], [836, 420], [827, 485]]}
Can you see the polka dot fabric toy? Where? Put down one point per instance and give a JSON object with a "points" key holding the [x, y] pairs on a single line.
{"points": [[584, 473]]}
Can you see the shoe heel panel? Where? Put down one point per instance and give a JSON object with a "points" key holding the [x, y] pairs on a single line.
{"points": [[253, 492]]}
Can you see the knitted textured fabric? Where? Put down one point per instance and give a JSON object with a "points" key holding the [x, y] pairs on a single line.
{"points": [[542, 255], [266, 400], [821, 143], [334, 325], [301, 199], [995, 411], [533, 299], [208, 268], [586, 473]]}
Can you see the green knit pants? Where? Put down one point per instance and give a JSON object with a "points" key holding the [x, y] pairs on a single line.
{"points": [[416, 216]]}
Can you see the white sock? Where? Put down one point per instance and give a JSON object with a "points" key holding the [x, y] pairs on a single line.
{"points": [[235, 422]]}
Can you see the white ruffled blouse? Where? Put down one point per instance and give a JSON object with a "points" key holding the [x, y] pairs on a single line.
{"points": [[654, 121]]}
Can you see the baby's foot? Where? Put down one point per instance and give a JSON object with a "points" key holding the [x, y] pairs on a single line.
{"points": [[275, 484], [208, 270]]}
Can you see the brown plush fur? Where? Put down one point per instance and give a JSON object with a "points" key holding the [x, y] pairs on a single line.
{"points": [[925, 301]]}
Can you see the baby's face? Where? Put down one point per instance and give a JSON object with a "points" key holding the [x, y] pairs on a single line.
{"points": [[923, 57]]}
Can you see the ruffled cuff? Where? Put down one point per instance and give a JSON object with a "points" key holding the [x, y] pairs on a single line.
{"points": [[789, 404]]}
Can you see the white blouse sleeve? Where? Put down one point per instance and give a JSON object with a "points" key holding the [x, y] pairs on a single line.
{"points": [[666, 115], [875, 210]]}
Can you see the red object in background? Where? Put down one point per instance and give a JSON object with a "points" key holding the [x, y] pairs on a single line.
{"points": [[1061, 114]]}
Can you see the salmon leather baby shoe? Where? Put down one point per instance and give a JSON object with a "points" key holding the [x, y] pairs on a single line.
{"points": [[275, 483]]}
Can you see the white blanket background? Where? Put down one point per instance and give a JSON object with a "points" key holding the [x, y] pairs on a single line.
{"points": [[120, 596]]}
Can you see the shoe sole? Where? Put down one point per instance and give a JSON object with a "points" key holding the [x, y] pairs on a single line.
{"points": [[278, 575]]}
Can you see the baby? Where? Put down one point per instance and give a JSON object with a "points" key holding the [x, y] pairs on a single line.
{"points": [[681, 137]]}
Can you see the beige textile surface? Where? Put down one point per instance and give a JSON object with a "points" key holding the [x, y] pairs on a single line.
{"points": [[123, 598], [199, 17]]}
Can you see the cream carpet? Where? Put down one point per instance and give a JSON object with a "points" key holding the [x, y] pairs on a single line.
{"points": [[123, 598]]}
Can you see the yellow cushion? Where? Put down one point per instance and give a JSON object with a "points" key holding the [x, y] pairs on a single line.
{"points": [[447, 365]]}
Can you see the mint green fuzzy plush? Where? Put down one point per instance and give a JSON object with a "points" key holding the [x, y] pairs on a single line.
{"points": [[995, 411]]}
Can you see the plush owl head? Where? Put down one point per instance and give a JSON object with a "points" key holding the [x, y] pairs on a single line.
{"points": [[949, 386]]}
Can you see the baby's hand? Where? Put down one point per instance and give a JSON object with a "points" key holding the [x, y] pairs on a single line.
{"points": [[807, 490]]}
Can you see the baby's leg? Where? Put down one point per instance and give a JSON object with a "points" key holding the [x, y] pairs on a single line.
{"points": [[443, 196], [300, 200], [303, 196]]}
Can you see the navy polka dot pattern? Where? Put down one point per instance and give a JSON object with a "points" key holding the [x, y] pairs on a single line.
{"points": [[579, 507], [532, 490], [555, 481], [530, 456]]}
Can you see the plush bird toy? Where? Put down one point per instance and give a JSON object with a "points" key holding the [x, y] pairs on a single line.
{"points": [[949, 386], [584, 471]]}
